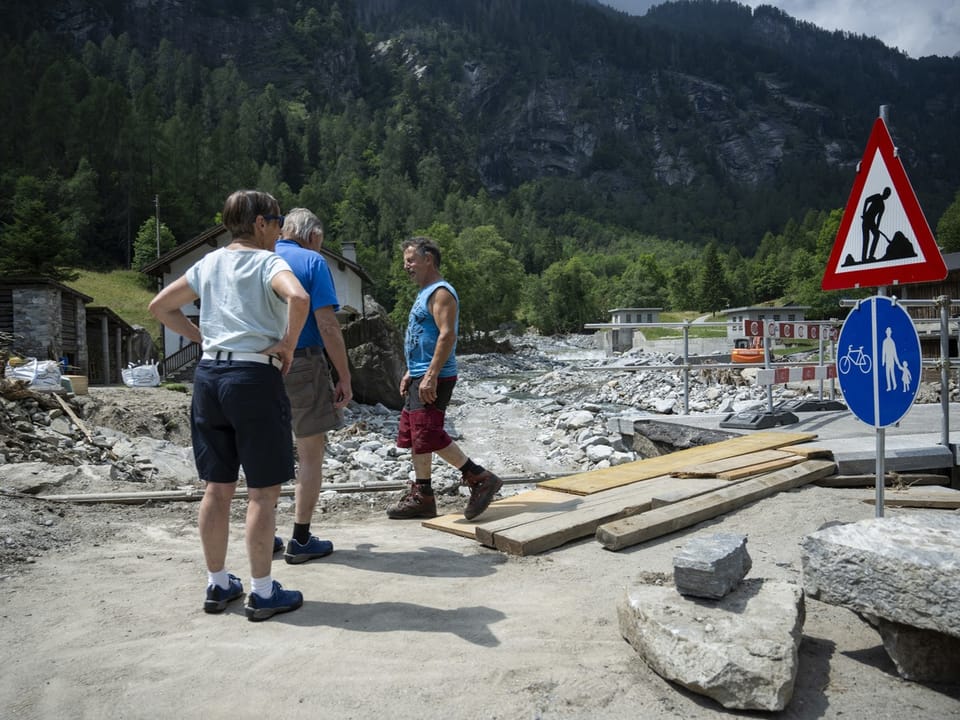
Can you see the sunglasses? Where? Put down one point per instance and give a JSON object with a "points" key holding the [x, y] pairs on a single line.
{"points": [[278, 218]]}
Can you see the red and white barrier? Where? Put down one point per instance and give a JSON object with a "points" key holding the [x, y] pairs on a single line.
{"points": [[803, 373]]}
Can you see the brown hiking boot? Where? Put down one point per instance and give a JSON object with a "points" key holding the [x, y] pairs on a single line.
{"points": [[483, 486], [413, 505]]}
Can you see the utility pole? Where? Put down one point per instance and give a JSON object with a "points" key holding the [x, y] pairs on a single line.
{"points": [[156, 205]]}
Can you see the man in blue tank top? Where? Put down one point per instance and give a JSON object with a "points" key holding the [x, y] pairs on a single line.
{"points": [[427, 386]]}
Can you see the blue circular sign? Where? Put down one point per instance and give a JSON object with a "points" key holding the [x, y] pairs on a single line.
{"points": [[878, 361]]}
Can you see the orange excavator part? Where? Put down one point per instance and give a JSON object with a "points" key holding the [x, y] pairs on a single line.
{"points": [[752, 354]]}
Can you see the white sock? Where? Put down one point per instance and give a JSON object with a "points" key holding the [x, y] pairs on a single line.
{"points": [[221, 579], [262, 586]]}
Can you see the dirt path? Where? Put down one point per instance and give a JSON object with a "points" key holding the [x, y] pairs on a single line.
{"points": [[504, 436], [401, 622]]}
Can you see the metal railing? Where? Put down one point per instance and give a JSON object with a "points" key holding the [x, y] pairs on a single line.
{"points": [[184, 356], [944, 363]]}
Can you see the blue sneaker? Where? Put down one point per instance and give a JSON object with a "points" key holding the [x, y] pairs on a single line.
{"points": [[277, 544], [313, 549], [280, 601], [217, 597]]}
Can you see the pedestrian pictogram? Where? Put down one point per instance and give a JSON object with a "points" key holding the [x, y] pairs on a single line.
{"points": [[884, 238], [878, 361]]}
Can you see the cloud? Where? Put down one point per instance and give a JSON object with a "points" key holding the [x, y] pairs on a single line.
{"points": [[918, 28]]}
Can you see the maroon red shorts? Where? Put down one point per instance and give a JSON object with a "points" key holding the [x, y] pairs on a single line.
{"points": [[421, 426]]}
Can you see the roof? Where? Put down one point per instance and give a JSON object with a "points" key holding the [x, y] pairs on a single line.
{"points": [[763, 308], [210, 237], [12, 282], [952, 261], [95, 311], [634, 309]]}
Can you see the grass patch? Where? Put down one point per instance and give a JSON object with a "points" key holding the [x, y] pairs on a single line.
{"points": [[123, 292], [696, 330]]}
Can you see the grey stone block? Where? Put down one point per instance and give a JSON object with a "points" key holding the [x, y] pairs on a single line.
{"points": [[711, 565]]}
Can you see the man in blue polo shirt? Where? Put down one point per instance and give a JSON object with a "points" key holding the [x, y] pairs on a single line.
{"points": [[315, 401]]}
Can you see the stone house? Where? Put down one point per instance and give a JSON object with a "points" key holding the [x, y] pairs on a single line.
{"points": [[178, 353], [46, 318], [51, 321]]}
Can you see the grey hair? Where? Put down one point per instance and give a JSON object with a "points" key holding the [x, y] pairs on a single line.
{"points": [[300, 224], [423, 246]]}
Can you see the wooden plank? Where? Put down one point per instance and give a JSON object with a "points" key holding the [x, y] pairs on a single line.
{"points": [[557, 529], [536, 501], [486, 530], [712, 469], [73, 416], [811, 451], [662, 521], [939, 498], [890, 479], [760, 469], [599, 480]]}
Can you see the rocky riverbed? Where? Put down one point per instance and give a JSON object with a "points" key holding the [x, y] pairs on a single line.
{"points": [[539, 411]]}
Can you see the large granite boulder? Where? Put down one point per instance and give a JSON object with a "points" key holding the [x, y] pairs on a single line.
{"points": [[904, 569], [376, 358], [742, 650], [920, 655]]}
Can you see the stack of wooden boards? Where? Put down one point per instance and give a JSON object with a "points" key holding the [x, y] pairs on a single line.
{"points": [[635, 502], [630, 503]]}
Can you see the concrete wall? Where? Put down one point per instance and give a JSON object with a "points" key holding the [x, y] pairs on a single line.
{"points": [[696, 346]]}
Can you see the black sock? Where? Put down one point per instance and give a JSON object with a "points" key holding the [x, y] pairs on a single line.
{"points": [[301, 533], [425, 487], [471, 467]]}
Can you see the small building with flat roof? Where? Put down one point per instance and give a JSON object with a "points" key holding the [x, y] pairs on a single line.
{"points": [[737, 317], [621, 339]]}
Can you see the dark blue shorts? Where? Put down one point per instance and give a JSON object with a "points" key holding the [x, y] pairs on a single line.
{"points": [[241, 418]]}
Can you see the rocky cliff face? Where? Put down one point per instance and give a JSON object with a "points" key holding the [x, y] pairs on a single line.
{"points": [[677, 127]]}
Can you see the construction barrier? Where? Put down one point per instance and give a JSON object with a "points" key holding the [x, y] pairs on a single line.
{"points": [[803, 373]]}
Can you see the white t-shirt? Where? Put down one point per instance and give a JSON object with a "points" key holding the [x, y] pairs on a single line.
{"points": [[239, 311]]}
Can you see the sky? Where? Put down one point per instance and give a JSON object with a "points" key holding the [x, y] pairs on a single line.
{"points": [[918, 28]]}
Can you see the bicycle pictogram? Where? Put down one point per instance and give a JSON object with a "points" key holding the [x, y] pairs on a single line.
{"points": [[854, 358]]}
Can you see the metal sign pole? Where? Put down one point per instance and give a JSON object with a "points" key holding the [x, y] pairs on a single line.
{"points": [[944, 369], [881, 431], [881, 469], [766, 364]]}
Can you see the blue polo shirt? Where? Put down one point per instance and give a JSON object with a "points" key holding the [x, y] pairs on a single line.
{"points": [[314, 274]]}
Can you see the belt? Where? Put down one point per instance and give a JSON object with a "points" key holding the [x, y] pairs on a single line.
{"points": [[228, 356], [308, 351]]}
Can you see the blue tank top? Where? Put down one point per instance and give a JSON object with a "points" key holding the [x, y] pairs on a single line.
{"points": [[423, 333]]}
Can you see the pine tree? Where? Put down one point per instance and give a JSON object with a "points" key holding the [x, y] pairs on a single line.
{"points": [[35, 243], [712, 287]]}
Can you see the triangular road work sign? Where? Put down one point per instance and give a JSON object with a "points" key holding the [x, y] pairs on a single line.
{"points": [[884, 239]]}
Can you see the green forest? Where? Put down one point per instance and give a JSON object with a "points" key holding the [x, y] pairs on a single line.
{"points": [[375, 115]]}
